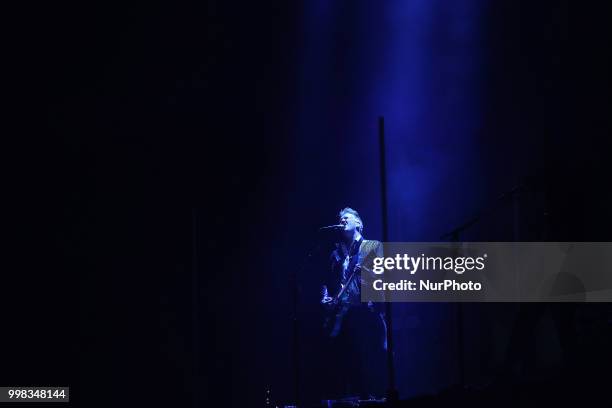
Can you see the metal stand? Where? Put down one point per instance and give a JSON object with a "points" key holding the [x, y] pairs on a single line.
{"points": [[392, 394], [295, 320]]}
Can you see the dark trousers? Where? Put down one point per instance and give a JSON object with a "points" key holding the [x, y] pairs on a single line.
{"points": [[357, 355]]}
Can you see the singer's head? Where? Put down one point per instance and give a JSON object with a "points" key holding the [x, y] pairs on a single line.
{"points": [[353, 225]]}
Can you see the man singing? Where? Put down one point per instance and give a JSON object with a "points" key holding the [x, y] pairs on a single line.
{"points": [[356, 329]]}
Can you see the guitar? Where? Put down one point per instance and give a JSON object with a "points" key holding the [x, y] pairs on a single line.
{"points": [[338, 306]]}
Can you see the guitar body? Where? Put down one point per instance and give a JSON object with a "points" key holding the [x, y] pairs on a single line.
{"points": [[333, 323], [339, 306]]}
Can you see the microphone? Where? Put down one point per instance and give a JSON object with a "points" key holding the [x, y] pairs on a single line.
{"points": [[332, 227]]}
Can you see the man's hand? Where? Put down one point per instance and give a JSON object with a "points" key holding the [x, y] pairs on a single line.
{"points": [[327, 300]]}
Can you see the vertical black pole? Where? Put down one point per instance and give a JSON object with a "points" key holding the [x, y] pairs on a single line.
{"points": [[460, 346], [516, 215], [296, 344], [392, 395], [195, 327], [459, 333]]}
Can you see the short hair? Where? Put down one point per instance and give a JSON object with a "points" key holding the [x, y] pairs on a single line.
{"points": [[349, 210]]}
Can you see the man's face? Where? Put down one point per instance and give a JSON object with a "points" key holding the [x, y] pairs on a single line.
{"points": [[350, 222]]}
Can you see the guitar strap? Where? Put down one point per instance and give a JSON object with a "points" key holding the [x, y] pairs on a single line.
{"points": [[351, 260]]}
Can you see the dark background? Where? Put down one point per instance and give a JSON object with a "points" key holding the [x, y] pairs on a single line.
{"points": [[191, 150]]}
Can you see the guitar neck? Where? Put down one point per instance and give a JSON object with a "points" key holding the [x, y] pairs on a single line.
{"points": [[349, 280]]}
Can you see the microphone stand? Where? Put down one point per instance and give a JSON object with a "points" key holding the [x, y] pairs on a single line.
{"points": [[315, 249], [392, 393]]}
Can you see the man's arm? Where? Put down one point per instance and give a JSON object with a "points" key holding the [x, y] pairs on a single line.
{"points": [[329, 283]]}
